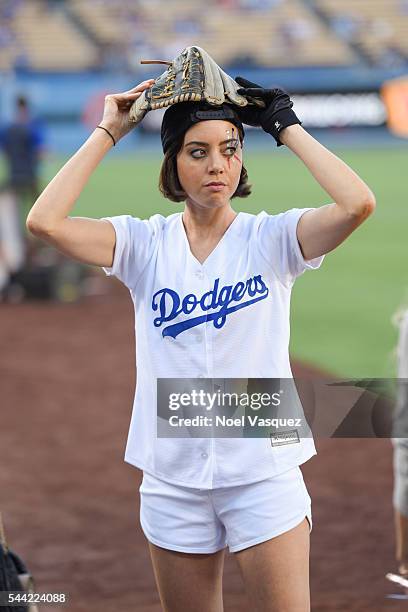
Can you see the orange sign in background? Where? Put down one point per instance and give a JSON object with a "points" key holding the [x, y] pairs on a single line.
{"points": [[395, 96]]}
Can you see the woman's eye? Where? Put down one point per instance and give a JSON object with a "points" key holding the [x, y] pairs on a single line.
{"points": [[199, 153], [195, 151]]}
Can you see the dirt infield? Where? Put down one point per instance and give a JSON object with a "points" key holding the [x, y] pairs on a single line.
{"points": [[70, 503]]}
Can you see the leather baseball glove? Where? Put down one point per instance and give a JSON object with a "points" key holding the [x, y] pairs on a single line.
{"points": [[193, 76]]}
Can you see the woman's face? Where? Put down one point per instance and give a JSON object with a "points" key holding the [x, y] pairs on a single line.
{"points": [[211, 153]]}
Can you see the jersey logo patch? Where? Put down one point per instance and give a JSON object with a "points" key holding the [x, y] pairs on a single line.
{"points": [[216, 303]]}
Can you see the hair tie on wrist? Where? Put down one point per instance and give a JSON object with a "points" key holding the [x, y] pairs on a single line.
{"points": [[108, 132]]}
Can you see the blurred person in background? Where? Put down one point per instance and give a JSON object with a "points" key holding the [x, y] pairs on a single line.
{"points": [[22, 145], [347, 25], [294, 34], [400, 445]]}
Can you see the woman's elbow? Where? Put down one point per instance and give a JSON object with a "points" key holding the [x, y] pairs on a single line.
{"points": [[32, 225], [366, 206], [37, 227]]}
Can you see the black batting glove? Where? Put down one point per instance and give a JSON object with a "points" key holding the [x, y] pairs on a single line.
{"points": [[277, 114]]}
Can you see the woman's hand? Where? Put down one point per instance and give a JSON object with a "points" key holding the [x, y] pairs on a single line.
{"points": [[277, 114], [116, 112]]}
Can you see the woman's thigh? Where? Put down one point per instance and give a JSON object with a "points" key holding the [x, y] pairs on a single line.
{"points": [[276, 572], [188, 582], [259, 511]]}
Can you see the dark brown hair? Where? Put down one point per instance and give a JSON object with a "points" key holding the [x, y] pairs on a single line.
{"points": [[169, 183]]}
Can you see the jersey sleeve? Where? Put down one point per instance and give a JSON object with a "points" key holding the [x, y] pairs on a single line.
{"points": [[277, 241], [135, 241]]}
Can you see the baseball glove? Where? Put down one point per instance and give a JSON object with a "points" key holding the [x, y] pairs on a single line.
{"points": [[193, 76]]}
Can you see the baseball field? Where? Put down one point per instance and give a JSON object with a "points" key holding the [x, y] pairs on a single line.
{"points": [[71, 505]]}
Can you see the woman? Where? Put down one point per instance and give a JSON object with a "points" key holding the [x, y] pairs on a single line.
{"points": [[211, 290]]}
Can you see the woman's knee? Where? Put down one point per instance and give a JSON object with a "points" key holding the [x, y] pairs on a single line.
{"points": [[188, 581], [276, 572]]}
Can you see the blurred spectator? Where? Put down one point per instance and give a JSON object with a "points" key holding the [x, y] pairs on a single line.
{"points": [[22, 143], [27, 269], [187, 24], [294, 33], [347, 25], [400, 447]]}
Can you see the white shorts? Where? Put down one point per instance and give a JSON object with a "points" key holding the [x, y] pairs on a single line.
{"points": [[205, 521]]}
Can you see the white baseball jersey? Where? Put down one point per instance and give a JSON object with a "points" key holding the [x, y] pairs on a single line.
{"points": [[225, 318]]}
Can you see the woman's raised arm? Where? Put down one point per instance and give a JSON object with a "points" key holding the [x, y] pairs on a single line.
{"points": [[90, 241], [322, 230]]}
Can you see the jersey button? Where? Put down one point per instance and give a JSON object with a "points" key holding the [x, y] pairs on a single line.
{"points": [[204, 455], [199, 274]]}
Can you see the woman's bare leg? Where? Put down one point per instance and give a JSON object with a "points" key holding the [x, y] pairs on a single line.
{"points": [[188, 582], [276, 572]]}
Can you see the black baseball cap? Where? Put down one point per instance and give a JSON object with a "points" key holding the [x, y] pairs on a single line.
{"points": [[179, 117]]}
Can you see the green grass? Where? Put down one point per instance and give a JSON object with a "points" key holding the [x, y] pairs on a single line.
{"points": [[341, 314]]}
